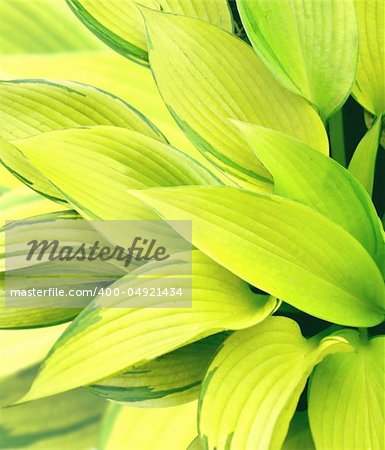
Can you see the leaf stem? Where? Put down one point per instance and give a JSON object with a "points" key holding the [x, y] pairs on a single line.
{"points": [[364, 335], [337, 137]]}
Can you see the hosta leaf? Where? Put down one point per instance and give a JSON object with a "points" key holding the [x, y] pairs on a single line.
{"points": [[169, 380], [310, 46], [31, 107], [171, 428], [299, 435], [127, 336], [120, 25], [282, 247], [23, 202], [369, 87], [305, 175], [40, 27], [207, 76], [68, 421], [347, 391], [363, 162], [20, 349], [253, 384], [108, 161]]}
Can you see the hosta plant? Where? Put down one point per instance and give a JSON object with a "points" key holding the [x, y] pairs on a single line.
{"points": [[283, 344]]}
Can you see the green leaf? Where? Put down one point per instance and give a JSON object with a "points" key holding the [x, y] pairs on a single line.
{"points": [[169, 380], [41, 27], [127, 337], [282, 247], [307, 176], [254, 383], [207, 76], [363, 162], [52, 310], [347, 391], [369, 88], [120, 25], [68, 421], [30, 107], [299, 435], [108, 161], [170, 428], [310, 46], [23, 202], [20, 349]]}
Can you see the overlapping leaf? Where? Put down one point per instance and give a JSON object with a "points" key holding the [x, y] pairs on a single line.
{"points": [[283, 248], [171, 428], [31, 107], [363, 162], [128, 336], [305, 175], [41, 27], [108, 161], [120, 25], [206, 76], [169, 380], [349, 389], [254, 383], [310, 46], [369, 87], [68, 421], [20, 349]]}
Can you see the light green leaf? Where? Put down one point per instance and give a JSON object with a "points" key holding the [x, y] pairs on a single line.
{"points": [[363, 162], [23, 202], [170, 428], [20, 349], [43, 26], [68, 421], [347, 391], [98, 165], [169, 380], [369, 87], [207, 76], [310, 46], [282, 247], [307, 176], [120, 25], [128, 336], [32, 107], [299, 435], [254, 383]]}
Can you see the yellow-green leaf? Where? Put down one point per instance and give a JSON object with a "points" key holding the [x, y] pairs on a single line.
{"points": [[282, 247], [169, 380], [369, 88], [32, 107], [43, 26], [254, 383], [126, 337], [311, 46], [170, 428], [98, 165], [363, 162], [346, 399], [120, 25], [207, 76], [68, 421], [307, 176]]}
